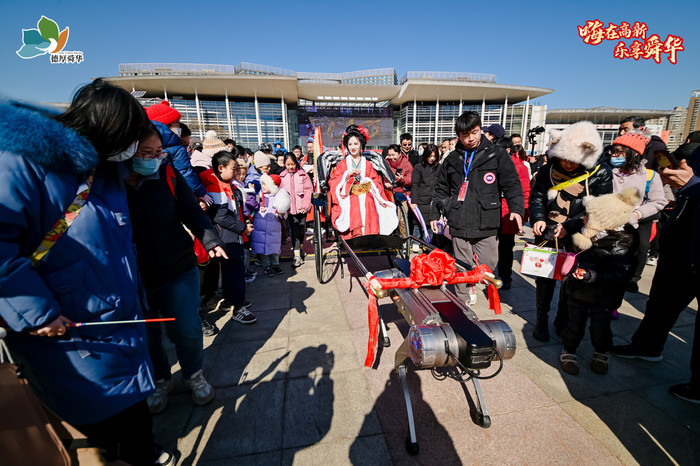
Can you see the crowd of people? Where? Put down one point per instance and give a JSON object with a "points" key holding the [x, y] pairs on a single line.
{"points": [[148, 224]]}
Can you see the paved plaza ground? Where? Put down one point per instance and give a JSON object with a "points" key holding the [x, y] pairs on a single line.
{"points": [[292, 389]]}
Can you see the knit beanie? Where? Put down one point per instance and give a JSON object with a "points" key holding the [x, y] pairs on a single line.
{"points": [[212, 144], [608, 212], [163, 113], [260, 159], [634, 140], [272, 182], [579, 143]]}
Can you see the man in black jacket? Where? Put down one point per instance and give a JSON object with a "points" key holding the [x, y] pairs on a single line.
{"points": [[654, 145], [468, 193]]}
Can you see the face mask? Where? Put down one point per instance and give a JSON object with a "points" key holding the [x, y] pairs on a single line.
{"points": [[420, 152], [125, 154], [146, 167], [177, 131], [617, 161]]}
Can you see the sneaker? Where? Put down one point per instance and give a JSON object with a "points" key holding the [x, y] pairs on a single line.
{"points": [[250, 277], [166, 459], [630, 352], [243, 316], [569, 363], [159, 399], [416, 248], [472, 296], [599, 365], [209, 329], [277, 270], [652, 261], [202, 392], [269, 272], [298, 261], [684, 392]]}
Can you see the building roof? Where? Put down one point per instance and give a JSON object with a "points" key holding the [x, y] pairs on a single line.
{"points": [[607, 115], [276, 83]]}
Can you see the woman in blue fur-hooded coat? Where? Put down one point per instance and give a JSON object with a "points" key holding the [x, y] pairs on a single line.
{"points": [[88, 375]]}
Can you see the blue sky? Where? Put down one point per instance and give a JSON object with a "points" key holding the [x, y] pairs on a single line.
{"points": [[523, 43]]}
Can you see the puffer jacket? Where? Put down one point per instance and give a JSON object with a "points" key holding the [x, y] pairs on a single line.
{"points": [[651, 201], [492, 173], [267, 229], [610, 263], [177, 155], [402, 163], [422, 185], [226, 212], [90, 274], [300, 189], [508, 226], [599, 183]]}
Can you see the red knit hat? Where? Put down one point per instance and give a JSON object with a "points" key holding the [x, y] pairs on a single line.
{"points": [[163, 113], [277, 180], [635, 141]]}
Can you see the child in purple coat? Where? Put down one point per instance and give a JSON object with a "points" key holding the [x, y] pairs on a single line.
{"points": [[267, 233]]}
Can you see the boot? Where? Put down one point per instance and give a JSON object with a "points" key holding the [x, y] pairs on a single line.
{"points": [[541, 332]]}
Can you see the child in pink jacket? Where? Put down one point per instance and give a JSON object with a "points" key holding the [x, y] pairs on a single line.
{"points": [[298, 184]]}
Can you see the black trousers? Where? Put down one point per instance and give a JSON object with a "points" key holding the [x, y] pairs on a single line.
{"points": [[298, 224], [676, 283], [506, 243], [127, 435], [601, 334], [544, 292], [208, 280], [644, 232]]}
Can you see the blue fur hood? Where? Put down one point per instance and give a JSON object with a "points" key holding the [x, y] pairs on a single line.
{"points": [[31, 132]]}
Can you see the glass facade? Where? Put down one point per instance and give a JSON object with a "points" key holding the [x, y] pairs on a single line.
{"points": [[243, 122], [427, 129]]}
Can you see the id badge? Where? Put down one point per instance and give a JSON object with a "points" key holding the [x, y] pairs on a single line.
{"points": [[463, 191]]}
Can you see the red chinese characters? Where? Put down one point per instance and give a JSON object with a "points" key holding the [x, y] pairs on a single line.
{"points": [[595, 32]]}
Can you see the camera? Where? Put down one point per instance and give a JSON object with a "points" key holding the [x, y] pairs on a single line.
{"points": [[532, 135]]}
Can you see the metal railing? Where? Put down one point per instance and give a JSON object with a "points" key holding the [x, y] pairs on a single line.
{"points": [[130, 69], [448, 76]]}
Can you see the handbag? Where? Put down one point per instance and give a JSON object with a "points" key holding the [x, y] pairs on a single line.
{"points": [[26, 434], [540, 261]]}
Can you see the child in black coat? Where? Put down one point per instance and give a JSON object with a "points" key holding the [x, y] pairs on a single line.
{"points": [[607, 245]]}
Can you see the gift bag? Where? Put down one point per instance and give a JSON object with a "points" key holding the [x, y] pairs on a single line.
{"points": [[543, 262]]}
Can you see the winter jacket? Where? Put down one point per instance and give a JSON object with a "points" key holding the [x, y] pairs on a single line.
{"points": [[413, 157], [651, 201], [253, 177], [599, 183], [300, 189], [423, 183], [226, 212], [402, 163], [198, 159], [267, 229], [164, 248], [610, 263], [89, 275], [177, 155], [250, 201], [654, 145], [508, 226], [492, 173]]}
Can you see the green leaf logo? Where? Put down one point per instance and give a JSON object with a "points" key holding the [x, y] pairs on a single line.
{"points": [[46, 38]]}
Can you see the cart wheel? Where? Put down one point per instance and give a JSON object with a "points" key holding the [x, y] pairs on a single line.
{"points": [[411, 447], [405, 249], [318, 244]]}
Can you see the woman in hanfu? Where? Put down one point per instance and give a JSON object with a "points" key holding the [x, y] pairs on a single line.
{"points": [[359, 205]]}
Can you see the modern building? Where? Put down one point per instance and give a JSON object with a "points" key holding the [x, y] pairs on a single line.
{"points": [[676, 125], [692, 119], [255, 103], [607, 120]]}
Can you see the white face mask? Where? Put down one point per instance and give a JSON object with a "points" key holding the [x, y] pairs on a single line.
{"points": [[125, 154], [177, 131]]}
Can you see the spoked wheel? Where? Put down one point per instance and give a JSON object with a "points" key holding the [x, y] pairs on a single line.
{"points": [[318, 243], [405, 249]]}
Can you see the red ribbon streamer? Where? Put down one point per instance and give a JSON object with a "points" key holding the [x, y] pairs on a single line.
{"points": [[432, 269]]}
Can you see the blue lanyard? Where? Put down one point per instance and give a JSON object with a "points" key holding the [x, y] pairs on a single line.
{"points": [[471, 159]]}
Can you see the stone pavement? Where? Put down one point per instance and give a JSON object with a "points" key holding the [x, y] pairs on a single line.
{"points": [[292, 389]]}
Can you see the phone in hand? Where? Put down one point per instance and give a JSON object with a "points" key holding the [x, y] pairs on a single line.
{"points": [[666, 159], [399, 171]]}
